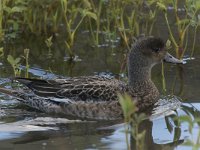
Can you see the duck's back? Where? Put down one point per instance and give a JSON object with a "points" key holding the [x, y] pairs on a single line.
{"points": [[91, 88]]}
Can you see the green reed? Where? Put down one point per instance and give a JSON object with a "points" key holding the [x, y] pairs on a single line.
{"points": [[182, 22], [73, 15], [132, 118], [26, 57], [1, 18], [15, 63], [1, 52], [122, 18], [2, 3], [97, 9]]}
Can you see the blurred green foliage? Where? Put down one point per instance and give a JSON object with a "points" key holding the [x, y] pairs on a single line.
{"points": [[123, 18]]}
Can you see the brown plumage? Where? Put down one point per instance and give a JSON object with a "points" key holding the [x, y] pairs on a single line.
{"points": [[91, 88], [95, 97]]}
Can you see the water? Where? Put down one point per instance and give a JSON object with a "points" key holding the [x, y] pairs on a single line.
{"points": [[24, 128]]}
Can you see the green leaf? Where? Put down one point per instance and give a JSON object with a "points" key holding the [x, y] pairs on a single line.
{"points": [[128, 105], [87, 4], [17, 60], [188, 143], [1, 51], [7, 9], [10, 59], [187, 119], [141, 135], [197, 6], [141, 117], [161, 6], [17, 9], [168, 44], [15, 64], [49, 41], [183, 21], [92, 15], [85, 12]]}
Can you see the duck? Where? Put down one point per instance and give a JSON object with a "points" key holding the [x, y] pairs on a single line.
{"points": [[96, 97]]}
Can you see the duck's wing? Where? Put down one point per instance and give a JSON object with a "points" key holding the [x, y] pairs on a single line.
{"points": [[78, 88]]}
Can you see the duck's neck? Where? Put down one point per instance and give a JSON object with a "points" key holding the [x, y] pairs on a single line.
{"points": [[139, 70], [139, 76]]}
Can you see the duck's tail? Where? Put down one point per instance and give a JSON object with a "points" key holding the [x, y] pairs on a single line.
{"points": [[7, 91], [34, 101]]}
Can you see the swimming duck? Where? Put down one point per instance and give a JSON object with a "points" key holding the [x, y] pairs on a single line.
{"points": [[95, 97]]}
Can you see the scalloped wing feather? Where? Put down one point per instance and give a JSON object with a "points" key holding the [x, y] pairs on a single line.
{"points": [[79, 88]]}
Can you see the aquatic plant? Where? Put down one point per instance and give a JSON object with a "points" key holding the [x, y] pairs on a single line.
{"points": [[1, 18], [11, 23], [175, 123], [104, 18], [49, 43], [26, 57], [97, 10], [139, 21], [194, 144], [183, 22], [134, 119], [193, 8], [23, 15], [15, 63], [1, 51], [71, 12], [2, 4]]}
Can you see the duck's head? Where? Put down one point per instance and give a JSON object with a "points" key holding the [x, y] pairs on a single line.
{"points": [[151, 50], [145, 53]]}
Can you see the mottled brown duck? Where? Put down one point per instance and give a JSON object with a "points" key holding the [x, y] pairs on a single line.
{"points": [[95, 97]]}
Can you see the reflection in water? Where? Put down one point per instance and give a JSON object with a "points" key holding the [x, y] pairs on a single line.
{"points": [[178, 86], [162, 132], [92, 135], [149, 141]]}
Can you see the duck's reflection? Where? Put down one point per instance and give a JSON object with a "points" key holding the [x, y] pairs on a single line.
{"points": [[163, 133], [149, 142]]}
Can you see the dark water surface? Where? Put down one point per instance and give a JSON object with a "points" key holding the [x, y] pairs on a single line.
{"points": [[22, 128]]}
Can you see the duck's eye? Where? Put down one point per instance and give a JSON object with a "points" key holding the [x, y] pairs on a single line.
{"points": [[156, 49]]}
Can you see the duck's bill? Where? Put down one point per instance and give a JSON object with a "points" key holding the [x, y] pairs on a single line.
{"points": [[171, 59]]}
